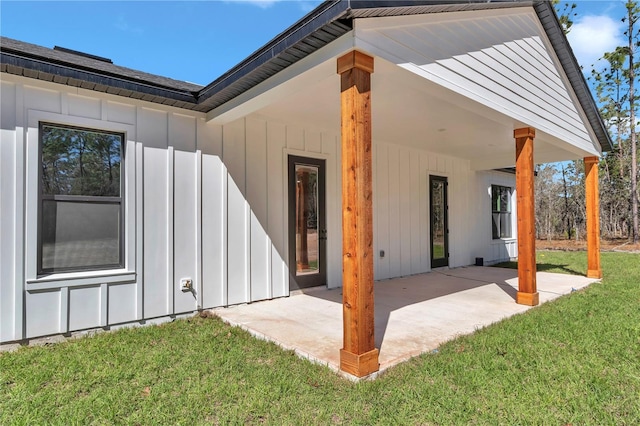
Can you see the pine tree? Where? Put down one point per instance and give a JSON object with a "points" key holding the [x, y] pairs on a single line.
{"points": [[633, 14]]}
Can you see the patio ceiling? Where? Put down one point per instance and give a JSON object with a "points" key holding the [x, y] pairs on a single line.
{"points": [[455, 84], [410, 110]]}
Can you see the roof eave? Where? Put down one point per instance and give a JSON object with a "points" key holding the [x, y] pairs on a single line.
{"points": [[326, 23], [549, 21]]}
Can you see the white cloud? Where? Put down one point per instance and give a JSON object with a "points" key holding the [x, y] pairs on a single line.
{"points": [[593, 35], [263, 4], [123, 25], [305, 5]]}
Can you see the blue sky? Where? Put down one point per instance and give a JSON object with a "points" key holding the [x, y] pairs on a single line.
{"points": [[191, 41], [197, 41]]}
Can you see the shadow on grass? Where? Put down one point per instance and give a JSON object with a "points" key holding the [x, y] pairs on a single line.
{"points": [[543, 267]]}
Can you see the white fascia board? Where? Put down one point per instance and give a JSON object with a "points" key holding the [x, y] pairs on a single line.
{"points": [[405, 21], [284, 83], [567, 84]]}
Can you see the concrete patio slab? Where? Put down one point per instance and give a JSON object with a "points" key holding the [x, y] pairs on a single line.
{"points": [[413, 315]]}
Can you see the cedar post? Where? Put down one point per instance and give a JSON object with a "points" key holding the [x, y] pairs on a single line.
{"points": [[527, 289], [594, 269], [359, 355]]}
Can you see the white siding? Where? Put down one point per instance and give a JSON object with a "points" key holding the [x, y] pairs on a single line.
{"points": [[255, 152], [165, 228], [10, 213], [208, 203], [493, 251], [276, 137], [401, 209], [155, 225]]}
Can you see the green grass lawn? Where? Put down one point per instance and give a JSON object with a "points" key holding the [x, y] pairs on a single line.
{"points": [[572, 361]]}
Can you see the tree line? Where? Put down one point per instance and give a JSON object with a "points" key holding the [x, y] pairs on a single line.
{"points": [[560, 197]]}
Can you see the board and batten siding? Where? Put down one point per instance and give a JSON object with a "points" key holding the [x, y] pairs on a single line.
{"points": [[163, 219], [500, 59], [202, 201], [499, 250], [255, 151], [209, 203], [401, 210]]}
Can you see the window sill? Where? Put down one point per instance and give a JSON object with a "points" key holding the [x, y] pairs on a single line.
{"points": [[74, 279], [503, 240]]}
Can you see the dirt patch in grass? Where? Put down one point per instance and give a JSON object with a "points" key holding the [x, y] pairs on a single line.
{"points": [[616, 244]]}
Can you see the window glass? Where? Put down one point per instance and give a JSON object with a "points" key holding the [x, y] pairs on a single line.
{"points": [[80, 235], [80, 199], [501, 212], [80, 162]]}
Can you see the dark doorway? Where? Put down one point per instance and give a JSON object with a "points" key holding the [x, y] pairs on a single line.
{"points": [[307, 223], [439, 212]]}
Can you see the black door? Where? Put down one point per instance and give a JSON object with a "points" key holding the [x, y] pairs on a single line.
{"points": [[439, 212], [307, 223]]}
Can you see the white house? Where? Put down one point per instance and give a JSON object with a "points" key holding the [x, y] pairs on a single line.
{"points": [[370, 140]]}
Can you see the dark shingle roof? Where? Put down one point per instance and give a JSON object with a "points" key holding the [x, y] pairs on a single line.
{"points": [[30, 60], [326, 23]]}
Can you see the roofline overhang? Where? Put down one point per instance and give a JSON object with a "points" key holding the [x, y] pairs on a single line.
{"points": [[549, 21], [326, 23], [324, 14], [15, 63]]}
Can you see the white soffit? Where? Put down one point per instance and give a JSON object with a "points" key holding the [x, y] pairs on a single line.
{"points": [[297, 77], [500, 59]]}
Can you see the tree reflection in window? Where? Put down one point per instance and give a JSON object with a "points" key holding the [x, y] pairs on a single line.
{"points": [[80, 162], [81, 201]]}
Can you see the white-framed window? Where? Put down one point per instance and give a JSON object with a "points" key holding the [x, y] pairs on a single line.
{"points": [[500, 212], [80, 199]]}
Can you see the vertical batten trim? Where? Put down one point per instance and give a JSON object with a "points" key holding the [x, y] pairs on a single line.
{"points": [[224, 241], [139, 176], [268, 242], [64, 310], [171, 305], [104, 304], [198, 236], [285, 215], [19, 326], [247, 248]]}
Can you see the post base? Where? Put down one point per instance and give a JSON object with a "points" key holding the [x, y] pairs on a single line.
{"points": [[359, 365], [594, 273], [529, 299]]}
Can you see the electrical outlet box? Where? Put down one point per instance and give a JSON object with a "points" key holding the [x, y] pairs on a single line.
{"points": [[186, 284]]}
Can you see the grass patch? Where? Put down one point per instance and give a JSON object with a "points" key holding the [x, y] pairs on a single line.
{"points": [[571, 361]]}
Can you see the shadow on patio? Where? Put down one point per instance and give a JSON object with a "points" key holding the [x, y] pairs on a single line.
{"points": [[413, 315]]}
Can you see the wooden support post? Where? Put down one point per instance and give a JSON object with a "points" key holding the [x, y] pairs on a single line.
{"points": [[527, 289], [594, 270], [359, 355]]}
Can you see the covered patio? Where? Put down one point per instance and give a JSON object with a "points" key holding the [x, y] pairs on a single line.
{"points": [[413, 315], [422, 97]]}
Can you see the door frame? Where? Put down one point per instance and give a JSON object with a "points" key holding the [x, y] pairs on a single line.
{"points": [[438, 263], [297, 282]]}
